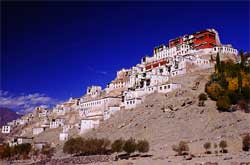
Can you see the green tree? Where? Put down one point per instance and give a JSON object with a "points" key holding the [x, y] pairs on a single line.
{"points": [[117, 145], [182, 148], [233, 96], [223, 103], [207, 146], [202, 97], [246, 93], [223, 146], [239, 82], [242, 59], [73, 146], [214, 90], [21, 151], [218, 63], [130, 146], [142, 146], [246, 143], [215, 148], [48, 151]]}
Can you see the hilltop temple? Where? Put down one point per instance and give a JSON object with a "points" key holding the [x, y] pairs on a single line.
{"points": [[184, 54]]}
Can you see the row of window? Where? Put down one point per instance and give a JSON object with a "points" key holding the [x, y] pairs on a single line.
{"points": [[131, 102], [5, 128], [165, 87], [226, 49], [162, 55], [94, 103], [119, 85], [204, 62], [174, 73]]}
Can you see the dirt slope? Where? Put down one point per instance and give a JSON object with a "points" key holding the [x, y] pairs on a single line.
{"points": [[162, 127]]}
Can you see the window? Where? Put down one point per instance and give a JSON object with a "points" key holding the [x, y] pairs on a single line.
{"points": [[165, 87], [160, 88]]}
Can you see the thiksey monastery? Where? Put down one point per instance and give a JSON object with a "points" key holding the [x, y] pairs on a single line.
{"points": [[153, 74]]}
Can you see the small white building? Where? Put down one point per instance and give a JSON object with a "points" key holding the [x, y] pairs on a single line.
{"points": [[60, 110], [38, 130], [67, 127], [63, 136], [21, 121], [121, 82], [132, 103], [97, 106], [43, 113], [165, 88], [55, 123], [135, 97], [12, 123], [20, 140], [94, 91], [225, 49], [6, 129], [87, 124], [111, 110], [40, 145]]}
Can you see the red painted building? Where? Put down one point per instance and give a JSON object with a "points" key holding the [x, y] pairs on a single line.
{"points": [[156, 64], [204, 39], [175, 42], [199, 40]]}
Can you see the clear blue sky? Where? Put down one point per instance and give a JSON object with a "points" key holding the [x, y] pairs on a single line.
{"points": [[60, 48]]}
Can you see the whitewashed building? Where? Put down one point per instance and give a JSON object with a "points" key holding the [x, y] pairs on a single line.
{"points": [[43, 113], [40, 145], [121, 81], [94, 91], [87, 124], [132, 102], [21, 121], [6, 129], [132, 98], [165, 88], [59, 110], [38, 130], [97, 106], [55, 123], [63, 136], [111, 110], [20, 140]]}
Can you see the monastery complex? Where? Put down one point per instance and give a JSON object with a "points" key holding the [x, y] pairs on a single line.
{"points": [[181, 55]]}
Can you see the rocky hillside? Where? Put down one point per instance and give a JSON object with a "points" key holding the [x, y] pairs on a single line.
{"points": [[165, 119]]}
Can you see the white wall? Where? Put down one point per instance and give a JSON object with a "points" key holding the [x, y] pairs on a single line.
{"points": [[37, 131], [225, 50], [168, 88], [63, 136], [56, 123], [87, 124], [132, 103], [107, 113], [96, 107], [6, 129]]}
